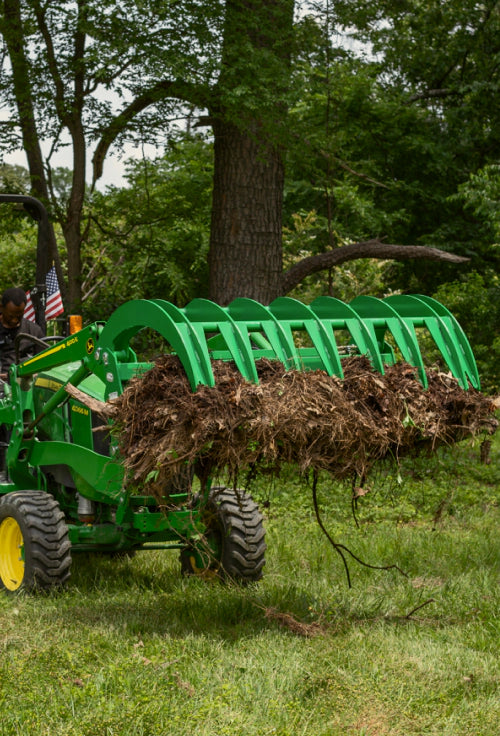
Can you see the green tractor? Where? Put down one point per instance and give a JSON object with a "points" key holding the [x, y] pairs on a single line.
{"points": [[63, 487]]}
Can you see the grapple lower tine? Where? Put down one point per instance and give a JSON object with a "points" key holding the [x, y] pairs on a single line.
{"points": [[456, 345], [380, 317]]}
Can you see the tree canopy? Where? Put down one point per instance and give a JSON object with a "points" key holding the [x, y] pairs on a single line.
{"points": [[361, 141]]}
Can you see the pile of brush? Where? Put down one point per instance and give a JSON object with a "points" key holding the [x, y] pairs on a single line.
{"points": [[308, 418]]}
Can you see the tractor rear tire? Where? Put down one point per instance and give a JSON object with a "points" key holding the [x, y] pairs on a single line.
{"points": [[35, 551], [233, 546]]}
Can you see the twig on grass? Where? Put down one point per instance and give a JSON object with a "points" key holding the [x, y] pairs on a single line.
{"points": [[341, 548], [287, 621], [417, 608]]}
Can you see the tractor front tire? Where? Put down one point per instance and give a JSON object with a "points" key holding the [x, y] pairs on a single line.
{"points": [[35, 551], [233, 546]]}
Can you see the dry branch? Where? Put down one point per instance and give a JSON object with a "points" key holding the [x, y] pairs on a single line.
{"points": [[98, 407], [368, 249]]}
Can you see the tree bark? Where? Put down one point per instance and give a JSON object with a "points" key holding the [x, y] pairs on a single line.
{"points": [[12, 31], [248, 114], [246, 230], [72, 225]]}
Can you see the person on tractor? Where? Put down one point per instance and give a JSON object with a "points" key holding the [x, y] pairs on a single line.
{"points": [[13, 323]]}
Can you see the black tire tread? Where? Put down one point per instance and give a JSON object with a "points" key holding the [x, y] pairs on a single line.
{"points": [[242, 532]]}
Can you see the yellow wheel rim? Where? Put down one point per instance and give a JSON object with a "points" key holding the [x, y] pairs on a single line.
{"points": [[11, 554]]}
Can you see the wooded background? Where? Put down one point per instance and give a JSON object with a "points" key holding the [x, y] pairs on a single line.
{"points": [[303, 148]]}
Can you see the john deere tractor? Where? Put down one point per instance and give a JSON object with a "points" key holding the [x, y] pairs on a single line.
{"points": [[63, 486]]}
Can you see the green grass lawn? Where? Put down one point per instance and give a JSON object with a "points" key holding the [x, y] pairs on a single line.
{"points": [[130, 648]]}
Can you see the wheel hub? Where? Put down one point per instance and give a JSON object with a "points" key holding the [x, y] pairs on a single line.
{"points": [[11, 554]]}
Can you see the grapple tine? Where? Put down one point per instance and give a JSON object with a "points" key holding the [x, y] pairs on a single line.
{"points": [[198, 347], [206, 316], [169, 322], [380, 317], [265, 331], [339, 315], [295, 315], [458, 338], [417, 312]]}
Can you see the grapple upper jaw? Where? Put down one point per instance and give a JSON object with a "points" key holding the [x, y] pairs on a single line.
{"points": [[299, 336]]}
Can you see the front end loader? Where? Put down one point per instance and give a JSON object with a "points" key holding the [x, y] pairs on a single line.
{"points": [[64, 488]]}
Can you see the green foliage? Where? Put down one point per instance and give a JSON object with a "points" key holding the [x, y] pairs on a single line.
{"points": [[17, 259], [475, 302], [85, 60], [18, 238], [13, 180], [343, 162], [390, 132], [253, 83], [482, 194], [150, 239], [363, 276], [18, 232]]}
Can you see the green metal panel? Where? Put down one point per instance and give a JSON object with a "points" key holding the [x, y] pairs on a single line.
{"points": [[54, 424], [75, 348], [81, 427], [97, 477]]}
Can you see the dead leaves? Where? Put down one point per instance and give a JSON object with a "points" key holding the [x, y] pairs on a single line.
{"points": [[287, 621]]}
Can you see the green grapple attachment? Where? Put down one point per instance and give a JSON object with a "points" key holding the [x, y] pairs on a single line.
{"points": [[299, 336], [64, 485]]}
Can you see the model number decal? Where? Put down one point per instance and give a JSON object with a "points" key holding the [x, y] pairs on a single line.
{"points": [[80, 409]]}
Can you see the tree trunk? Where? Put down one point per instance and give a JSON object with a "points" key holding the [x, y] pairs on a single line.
{"points": [[73, 240], [246, 238], [12, 32], [72, 225], [248, 110]]}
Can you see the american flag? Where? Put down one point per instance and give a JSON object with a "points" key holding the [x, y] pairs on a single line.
{"points": [[54, 305], [29, 309]]}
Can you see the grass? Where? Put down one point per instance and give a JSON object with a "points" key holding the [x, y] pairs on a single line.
{"points": [[130, 648]]}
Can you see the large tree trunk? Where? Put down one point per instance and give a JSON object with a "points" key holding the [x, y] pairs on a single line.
{"points": [[248, 110], [73, 240], [246, 238], [72, 227]]}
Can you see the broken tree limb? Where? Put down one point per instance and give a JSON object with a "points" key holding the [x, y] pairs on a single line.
{"points": [[367, 249]]}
